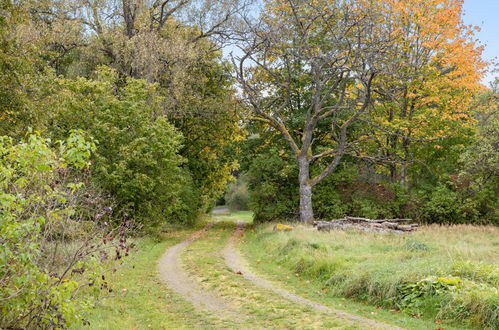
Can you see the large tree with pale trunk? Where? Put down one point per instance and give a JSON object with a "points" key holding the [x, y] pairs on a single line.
{"points": [[312, 71], [310, 65]]}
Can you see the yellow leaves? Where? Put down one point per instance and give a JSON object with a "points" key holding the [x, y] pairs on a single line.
{"points": [[7, 115], [282, 227]]}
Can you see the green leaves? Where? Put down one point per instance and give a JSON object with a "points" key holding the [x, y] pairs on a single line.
{"points": [[28, 204], [410, 293], [76, 150], [137, 157]]}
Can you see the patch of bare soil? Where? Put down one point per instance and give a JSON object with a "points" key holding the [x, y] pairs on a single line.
{"points": [[238, 265]]}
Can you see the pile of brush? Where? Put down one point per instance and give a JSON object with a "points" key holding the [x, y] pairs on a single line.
{"points": [[381, 225]]}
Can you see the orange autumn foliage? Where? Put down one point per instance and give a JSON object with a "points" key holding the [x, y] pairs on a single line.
{"points": [[437, 69]]}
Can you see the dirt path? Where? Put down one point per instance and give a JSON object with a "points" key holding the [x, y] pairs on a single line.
{"points": [[237, 264], [220, 210], [215, 303], [180, 282]]}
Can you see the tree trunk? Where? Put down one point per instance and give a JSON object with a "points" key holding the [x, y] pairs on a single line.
{"points": [[403, 171], [129, 17], [306, 210]]}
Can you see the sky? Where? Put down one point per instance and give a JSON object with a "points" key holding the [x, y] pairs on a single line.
{"points": [[485, 14]]}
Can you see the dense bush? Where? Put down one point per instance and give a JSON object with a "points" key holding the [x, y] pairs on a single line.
{"points": [[42, 265], [346, 192], [137, 159], [273, 193], [442, 206]]}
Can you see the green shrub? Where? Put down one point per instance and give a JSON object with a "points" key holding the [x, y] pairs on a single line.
{"points": [[137, 159], [187, 206], [273, 192], [411, 294], [329, 202], [370, 209], [41, 273], [442, 206]]}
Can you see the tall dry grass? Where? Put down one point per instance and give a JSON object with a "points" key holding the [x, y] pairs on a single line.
{"points": [[445, 272]]}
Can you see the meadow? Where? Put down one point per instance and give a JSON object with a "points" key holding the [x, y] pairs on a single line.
{"points": [[448, 274]]}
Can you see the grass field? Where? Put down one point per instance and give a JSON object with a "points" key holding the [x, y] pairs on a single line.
{"points": [[440, 273], [439, 277], [246, 216]]}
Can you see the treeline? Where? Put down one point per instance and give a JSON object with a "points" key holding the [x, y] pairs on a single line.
{"points": [[114, 116], [371, 109], [157, 98], [464, 192], [449, 181]]}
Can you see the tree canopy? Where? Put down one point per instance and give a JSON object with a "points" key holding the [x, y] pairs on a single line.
{"points": [[368, 79]]}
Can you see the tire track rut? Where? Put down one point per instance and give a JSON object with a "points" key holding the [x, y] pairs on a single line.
{"points": [[237, 264], [179, 280]]}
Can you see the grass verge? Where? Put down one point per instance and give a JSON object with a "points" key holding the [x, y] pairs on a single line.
{"points": [[442, 274], [141, 300]]}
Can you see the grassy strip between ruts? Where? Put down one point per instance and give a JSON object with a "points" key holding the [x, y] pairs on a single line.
{"points": [[142, 301], [258, 307], [436, 269]]}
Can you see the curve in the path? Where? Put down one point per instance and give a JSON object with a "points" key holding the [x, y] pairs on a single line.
{"points": [[179, 281], [237, 264]]}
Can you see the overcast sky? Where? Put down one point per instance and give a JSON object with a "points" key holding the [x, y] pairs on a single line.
{"points": [[485, 14], [482, 13]]}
